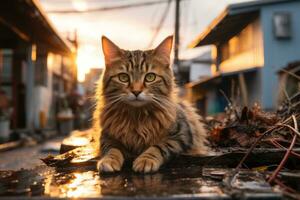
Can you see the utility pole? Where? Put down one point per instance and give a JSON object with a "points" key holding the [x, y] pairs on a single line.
{"points": [[176, 42], [74, 42]]}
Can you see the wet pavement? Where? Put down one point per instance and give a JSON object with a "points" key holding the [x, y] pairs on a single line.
{"points": [[28, 157], [183, 178], [185, 182], [177, 183]]}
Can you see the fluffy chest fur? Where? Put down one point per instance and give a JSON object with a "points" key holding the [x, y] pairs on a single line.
{"points": [[137, 128]]}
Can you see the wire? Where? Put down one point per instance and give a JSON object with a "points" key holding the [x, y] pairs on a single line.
{"points": [[149, 3], [160, 24]]}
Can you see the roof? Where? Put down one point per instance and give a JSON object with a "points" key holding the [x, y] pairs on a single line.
{"points": [[231, 21], [29, 22]]}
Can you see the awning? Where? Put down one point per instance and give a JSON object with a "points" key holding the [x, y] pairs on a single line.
{"points": [[223, 28], [26, 19]]}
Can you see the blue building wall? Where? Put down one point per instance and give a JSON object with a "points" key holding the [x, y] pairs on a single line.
{"points": [[277, 53]]}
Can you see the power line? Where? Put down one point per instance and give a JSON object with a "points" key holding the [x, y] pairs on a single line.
{"points": [[160, 24], [149, 3]]}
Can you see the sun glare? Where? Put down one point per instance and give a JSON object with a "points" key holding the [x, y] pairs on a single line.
{"points": [[79, 5], [90, 28], [88, 58]]}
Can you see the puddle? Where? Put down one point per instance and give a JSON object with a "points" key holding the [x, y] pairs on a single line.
{"points": [[253, 180], [76, 184], [48, 182], [183, 181]]}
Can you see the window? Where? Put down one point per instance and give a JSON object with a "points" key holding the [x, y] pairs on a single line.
{"points": [[282, 25]]}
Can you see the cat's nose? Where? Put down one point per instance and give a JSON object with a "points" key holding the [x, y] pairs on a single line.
{"points": [[136, 93]]}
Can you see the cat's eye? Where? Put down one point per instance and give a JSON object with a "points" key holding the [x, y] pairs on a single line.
{"points": [[150, 77], [123, 77]]}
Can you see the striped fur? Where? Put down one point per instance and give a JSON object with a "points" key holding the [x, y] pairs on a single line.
{"points": [[150, 131]]}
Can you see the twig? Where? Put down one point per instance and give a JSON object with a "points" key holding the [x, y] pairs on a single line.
{"points": [[296, 104], [291, 74], [287, 154], [291, 195], [258, 139], [226, 97], [294, 96], [230, 104], [254, 145], [276, 144], [285, 187], [291, 128], [286, 96], [295, 124]]}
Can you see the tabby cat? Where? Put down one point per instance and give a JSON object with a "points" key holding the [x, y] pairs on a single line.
{"points": [[138, 114]]}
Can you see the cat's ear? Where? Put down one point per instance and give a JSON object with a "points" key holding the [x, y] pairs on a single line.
{"points": [[165, 47], [110, 50]]}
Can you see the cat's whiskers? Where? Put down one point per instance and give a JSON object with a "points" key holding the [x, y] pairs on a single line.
{"points": [[162, 100], [113, 100], [162, 104]]}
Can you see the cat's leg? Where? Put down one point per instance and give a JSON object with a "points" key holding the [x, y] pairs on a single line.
{"points": [[112, 158], [179, 140], [148, 161], [112, 161]]}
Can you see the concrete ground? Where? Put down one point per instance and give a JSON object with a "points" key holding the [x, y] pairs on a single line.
{"points": [[28, 157]]}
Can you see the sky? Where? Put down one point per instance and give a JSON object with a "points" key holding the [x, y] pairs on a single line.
{"points": [[130, 28]]}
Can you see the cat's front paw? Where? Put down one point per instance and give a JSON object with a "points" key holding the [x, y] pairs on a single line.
{"points": [[108, 164], [146, 165]]}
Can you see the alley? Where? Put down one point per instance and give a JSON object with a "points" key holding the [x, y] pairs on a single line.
{"points": [[150, 99]]}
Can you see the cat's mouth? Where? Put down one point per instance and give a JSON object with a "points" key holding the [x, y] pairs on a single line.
{"points": [[137, 102]]}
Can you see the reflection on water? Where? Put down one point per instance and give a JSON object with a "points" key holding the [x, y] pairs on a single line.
{"points": [[91, 184], [54, 183], [76, 184], [76, 141]]}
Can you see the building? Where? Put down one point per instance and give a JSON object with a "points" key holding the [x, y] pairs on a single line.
{"points": [[200, 67], [195, 68], [36, 64], [250, 42]]}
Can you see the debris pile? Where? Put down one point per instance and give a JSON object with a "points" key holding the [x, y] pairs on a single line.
{"points": [[242, 126], [254, 128]]}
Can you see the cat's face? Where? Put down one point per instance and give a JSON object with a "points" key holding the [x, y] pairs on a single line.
{"points": [[137, 78]]}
